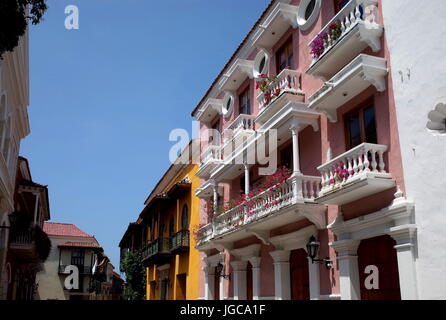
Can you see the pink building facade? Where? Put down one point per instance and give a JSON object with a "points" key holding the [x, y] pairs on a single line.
{"points": [[303, 193]]}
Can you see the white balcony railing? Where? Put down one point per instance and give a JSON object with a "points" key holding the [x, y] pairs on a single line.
{"points": [[300, 189], [350, 31], [243, 123], [288, 81], [211, 153], [351, 166]]}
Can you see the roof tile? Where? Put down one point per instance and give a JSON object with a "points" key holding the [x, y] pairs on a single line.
{"points": [[64, 229]]}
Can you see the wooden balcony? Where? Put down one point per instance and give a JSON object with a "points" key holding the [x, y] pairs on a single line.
{"points": [[179, 242], [157, 252]]}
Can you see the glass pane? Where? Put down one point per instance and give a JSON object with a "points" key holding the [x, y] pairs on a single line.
{"points": [[354, 130], [370, 126]]}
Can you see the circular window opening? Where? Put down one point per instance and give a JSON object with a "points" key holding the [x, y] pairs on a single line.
{"points": [[308, 13], [310, 9], [228, 104], [261, 63]]}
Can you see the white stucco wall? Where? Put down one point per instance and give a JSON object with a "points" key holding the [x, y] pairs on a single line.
{"points": [[416, 34]]}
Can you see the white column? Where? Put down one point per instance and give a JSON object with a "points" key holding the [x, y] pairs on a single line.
{"points": [[348, 269], [281, 274], [214, 209], [406, 263], [36, 208], [246, 179], [313, 274], [255, 262], [239, 274], [215, 190], [209, 285], [295, 137]]}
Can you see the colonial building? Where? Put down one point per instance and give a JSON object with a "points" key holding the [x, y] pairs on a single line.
{"points": [[302, 171], [164, 234], [28, 245], [70, 246], [14, 126]]}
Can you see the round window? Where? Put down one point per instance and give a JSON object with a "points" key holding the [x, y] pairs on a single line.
{"points": [[228, 105], [308, 13], [261, 63]]}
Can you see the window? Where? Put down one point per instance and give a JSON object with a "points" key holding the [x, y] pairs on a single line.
{"points": [[171, 227], [361, 126], [339, 4], [310, 8], [308, 13], [215, 132], [285, 57], [77, 257], [161, 231], [286, 157], [245, 102], [185, 218]]}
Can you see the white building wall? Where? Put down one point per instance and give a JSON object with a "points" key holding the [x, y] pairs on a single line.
{"points": [[415, 32]]}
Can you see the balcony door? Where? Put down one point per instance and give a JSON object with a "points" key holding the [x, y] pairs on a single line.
{"points": [[245, 102], [216, 285], [361, 126], [379, 252], [285, 56], [181, 287], [299, 278]]}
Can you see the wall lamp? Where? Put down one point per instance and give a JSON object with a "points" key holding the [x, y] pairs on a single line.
{"points": [[219, 270], [313, 250]]}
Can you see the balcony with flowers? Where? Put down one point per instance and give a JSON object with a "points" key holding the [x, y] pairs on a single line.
{"points": [[280, 199], [351, 31], [278, 91], [355, 174]]}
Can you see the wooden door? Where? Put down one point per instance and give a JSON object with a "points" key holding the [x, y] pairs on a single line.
{"points": [[181, 287], [381, 253], [249, 291], [216, 285], [300, 282]]}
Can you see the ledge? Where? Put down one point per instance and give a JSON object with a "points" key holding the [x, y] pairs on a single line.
{"points": [[357, 76]]}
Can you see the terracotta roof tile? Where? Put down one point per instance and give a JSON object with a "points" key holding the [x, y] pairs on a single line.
{"points": [[64, 229], [80, 245]]}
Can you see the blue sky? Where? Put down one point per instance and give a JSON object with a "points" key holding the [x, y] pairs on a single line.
{"points": [[104, 99]]}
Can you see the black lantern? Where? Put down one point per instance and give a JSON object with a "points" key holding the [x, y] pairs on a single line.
{"points": [[219, 270], [313, 250]]}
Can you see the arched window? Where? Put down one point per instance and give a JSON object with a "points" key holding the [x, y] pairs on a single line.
{"points": [[171, 227], [161, 231], [185, 218]]}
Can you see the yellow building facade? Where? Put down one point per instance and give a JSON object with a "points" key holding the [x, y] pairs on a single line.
{"points": [[171, 214]]}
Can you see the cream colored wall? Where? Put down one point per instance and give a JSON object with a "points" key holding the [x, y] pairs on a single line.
{"points": [[50, 283]]}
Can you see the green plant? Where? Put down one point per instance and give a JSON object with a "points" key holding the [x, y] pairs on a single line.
{"points": [[14, 16], [135, 273]]}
